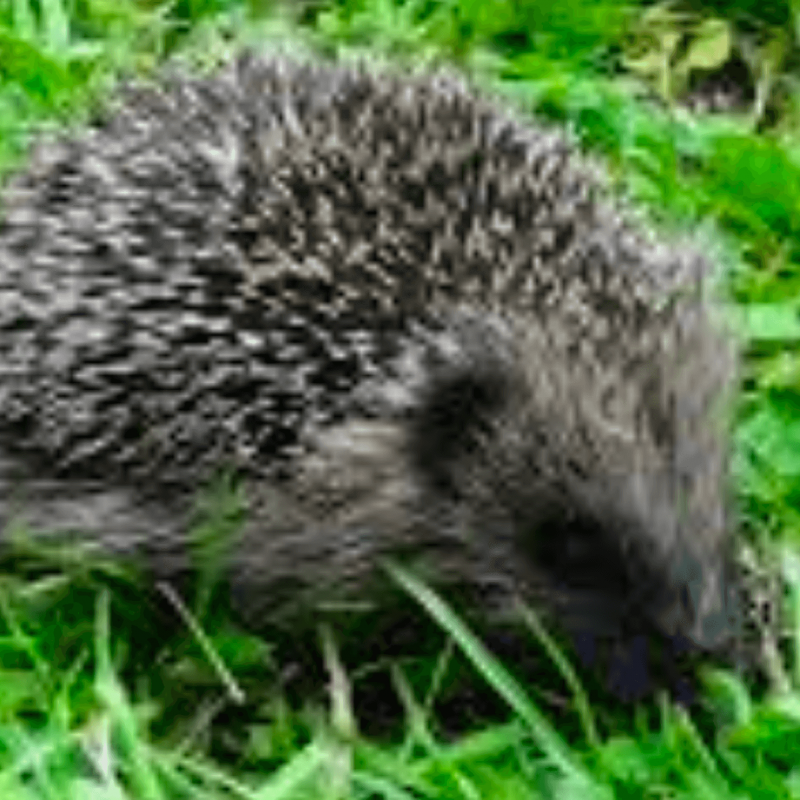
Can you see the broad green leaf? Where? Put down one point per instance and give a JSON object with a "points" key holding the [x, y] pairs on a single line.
{"points": [[710, 47], [771, 322], [24, 20], [55, 22], [774, 435]]}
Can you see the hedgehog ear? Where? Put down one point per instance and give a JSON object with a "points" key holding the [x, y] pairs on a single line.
{"points": [[468, 372]]}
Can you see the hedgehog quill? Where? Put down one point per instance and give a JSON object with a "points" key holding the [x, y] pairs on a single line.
{"points": [[406, 317]]}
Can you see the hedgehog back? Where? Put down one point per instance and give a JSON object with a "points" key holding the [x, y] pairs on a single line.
{"points": [[219, 263]]}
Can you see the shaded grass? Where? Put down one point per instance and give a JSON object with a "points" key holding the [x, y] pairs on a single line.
{"points": [[83, 711]]}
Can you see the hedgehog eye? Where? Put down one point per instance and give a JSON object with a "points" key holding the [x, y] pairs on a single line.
{"points": [[576, 553]]}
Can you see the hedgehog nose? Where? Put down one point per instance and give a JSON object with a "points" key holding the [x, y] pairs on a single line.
{"points": [[702, 609]]}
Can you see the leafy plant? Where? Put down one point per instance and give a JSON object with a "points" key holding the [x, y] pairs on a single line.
{"points": [[668, 44]]}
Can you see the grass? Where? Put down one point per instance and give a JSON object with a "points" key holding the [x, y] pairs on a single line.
{"points": [[92, 707]]}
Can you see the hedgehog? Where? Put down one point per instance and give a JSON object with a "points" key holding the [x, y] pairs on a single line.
{"points": [[409, 319]]}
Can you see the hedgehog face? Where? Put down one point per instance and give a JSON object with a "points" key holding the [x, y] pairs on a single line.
{"points": [[593, 507]]}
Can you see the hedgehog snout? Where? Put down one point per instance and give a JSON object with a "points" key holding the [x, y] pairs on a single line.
{"points": [[677, 578]]}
